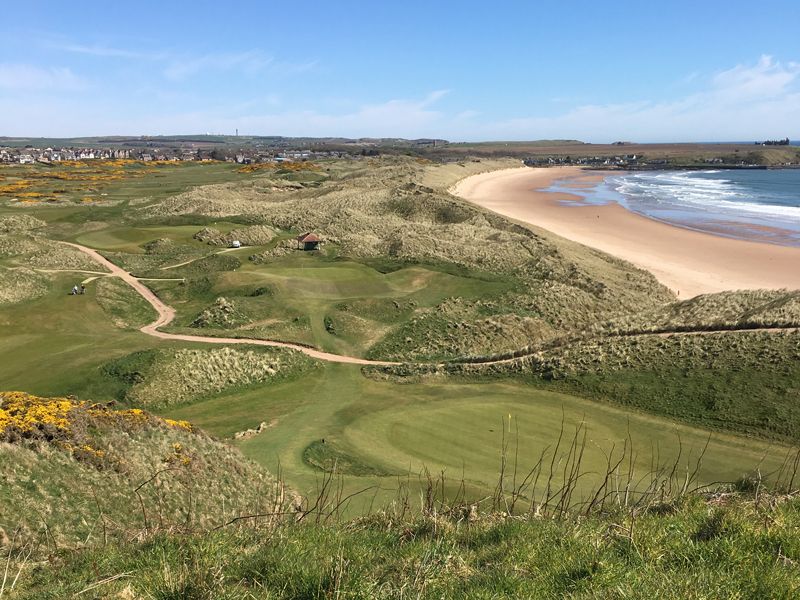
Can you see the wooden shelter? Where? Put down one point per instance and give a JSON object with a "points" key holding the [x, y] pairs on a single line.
{"points": [[308, 241]]}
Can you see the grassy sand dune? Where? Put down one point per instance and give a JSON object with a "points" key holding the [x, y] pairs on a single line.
{"points": [[701, 548]]}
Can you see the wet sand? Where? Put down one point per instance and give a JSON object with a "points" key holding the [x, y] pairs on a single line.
{"points": [[688, 262]]}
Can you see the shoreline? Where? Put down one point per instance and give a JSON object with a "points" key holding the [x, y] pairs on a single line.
{"points": [[687, 261], [736, 230]]}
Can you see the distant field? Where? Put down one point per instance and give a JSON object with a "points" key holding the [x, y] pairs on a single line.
{"points": [[106, 182]]}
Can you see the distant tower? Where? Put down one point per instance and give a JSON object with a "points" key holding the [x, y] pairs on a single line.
{"points": [[237, 132]]}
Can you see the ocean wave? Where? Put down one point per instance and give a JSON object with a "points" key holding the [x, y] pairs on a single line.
{"points": [[689, 191], [763, 209]]}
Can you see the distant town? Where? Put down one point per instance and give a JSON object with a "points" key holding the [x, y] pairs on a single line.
{"points": [[270, 149], [31, 155], [242, 150]]}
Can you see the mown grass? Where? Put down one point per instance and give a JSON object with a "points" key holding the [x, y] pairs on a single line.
{"points": [[698, 549], [55, 345], [393, 431]]}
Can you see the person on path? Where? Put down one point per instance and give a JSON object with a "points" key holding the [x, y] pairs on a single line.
{"points": [[83, 289]]}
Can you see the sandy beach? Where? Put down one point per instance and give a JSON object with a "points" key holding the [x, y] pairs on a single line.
{"points": [[688, 262]]}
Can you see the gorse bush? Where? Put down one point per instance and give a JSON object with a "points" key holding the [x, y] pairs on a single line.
{"points": [[72, 471], [71, 425]]}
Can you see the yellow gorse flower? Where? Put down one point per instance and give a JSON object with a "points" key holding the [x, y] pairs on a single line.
{"points": [[179, 424], [27, 413]]}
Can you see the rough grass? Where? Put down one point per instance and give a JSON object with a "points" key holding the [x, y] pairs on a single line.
{"points": [[126, 308], [725, 310], [39, 252], [173, 377], [21, 284], [19, 222], [80, 473], [701, 548], [460, 327]]}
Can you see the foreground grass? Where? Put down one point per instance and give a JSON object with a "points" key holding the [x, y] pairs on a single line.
{"points": [[699, 548]]}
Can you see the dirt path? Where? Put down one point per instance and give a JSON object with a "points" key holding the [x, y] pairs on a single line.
{"points": [[166, 314], [493, 360], [191, 260]]}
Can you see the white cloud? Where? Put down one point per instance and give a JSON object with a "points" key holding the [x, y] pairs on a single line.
{"points": [[746, 102], [29, 77], [394, 118], [179, 66], [767, 78], [251, 62], [107, 52]]}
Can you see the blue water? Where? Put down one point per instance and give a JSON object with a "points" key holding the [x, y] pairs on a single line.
{"points": [[737, 203]]}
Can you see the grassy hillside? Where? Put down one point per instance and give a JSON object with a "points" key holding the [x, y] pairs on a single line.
{"points": [[407, 271], [599, 404], [743, 381], [395, 217], [75, 472]]}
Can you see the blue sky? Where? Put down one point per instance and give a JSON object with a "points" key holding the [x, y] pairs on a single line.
{"points": [[668, 71]]}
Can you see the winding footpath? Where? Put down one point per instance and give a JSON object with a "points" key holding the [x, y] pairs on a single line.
{"points": [[166, 314]]}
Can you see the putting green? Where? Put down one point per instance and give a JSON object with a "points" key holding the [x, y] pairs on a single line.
{"points": [[400, 430]]}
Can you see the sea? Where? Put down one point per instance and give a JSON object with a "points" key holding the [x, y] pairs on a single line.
{"points": [[762, 204]]}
